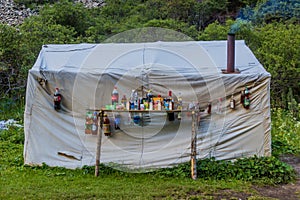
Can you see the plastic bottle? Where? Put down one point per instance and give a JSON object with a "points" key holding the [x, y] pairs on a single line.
{"points": [[159, 102], [117, 121], [124, 101], [131, 100], [136, 100], [95, 124], [179, 105], [170, 101], [151, 105], [115, 97], [57, 99]]}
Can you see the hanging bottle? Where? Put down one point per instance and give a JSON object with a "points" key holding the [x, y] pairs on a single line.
{"points": [[242, 97], [95, 124], [247, 98], [57, 99], [232, 102], [115, 97], [209, 108], [88, 122], [106, 125], [117, 121]]}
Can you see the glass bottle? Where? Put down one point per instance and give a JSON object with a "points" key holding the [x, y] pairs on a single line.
{"points": [[106, 125], [115, 97]]}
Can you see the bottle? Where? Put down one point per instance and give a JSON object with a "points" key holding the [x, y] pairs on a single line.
{"points": [[247, 98], [95, 124], [88, 122], [157, 104], [170, 101], [57, 99], [170, 104], [232, 102], [115, 97], [106, 125], [179, 105], [132, 100], [124, 101], [151, 105], [209, 108], [242, 97], [128, 104], [149, 96], [136, 100], [117, 121]]}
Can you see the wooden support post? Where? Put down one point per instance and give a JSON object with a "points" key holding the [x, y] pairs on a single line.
{"points": [[194, 147], [99, 139]]}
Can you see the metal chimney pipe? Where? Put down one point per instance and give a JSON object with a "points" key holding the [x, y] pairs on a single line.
{"points": [[230, 52]]}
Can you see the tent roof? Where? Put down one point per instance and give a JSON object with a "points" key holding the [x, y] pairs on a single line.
{"points": [[206, 56]]}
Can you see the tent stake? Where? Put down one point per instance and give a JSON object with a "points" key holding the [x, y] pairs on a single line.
{"points": [[99, 138], [194, 148]]}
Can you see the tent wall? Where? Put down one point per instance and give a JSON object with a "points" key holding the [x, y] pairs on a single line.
{"points": [[86, 75]]}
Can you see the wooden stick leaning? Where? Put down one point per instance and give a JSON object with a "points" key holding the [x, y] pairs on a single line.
{"points": [[99, 139], [194, 147]]}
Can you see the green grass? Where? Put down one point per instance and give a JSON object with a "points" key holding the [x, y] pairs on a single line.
{"points": [[18, 182], [216, 178]]}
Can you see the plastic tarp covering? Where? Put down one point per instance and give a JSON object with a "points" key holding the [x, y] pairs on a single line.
{"points": [[86, 75]]}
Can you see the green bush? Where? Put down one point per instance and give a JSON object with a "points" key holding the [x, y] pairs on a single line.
{"points": [[285, 132], [267, 170]]}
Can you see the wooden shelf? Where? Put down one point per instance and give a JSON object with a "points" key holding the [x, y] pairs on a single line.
{"points": [[193, 135], [142, 111]]}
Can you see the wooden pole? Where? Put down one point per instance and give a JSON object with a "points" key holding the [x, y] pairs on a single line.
{"points": [[99, 139], [194, 147]]}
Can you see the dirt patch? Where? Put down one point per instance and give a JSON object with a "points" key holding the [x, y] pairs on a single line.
{"points": [[289, 191]]}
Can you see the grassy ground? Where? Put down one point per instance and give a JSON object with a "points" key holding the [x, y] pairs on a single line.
{"points": [[23, 182]]}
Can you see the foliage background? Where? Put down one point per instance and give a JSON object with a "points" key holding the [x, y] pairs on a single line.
{"points": [[270, 28]]}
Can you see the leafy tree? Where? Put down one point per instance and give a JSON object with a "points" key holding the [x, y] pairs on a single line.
{"points": [[272, 11], [174, 25], [37, 32], [11, 57], [279, 53], [68, 14], [208, 11]]}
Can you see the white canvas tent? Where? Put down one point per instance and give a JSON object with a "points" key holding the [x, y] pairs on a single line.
{"points": [[86, 75]]}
